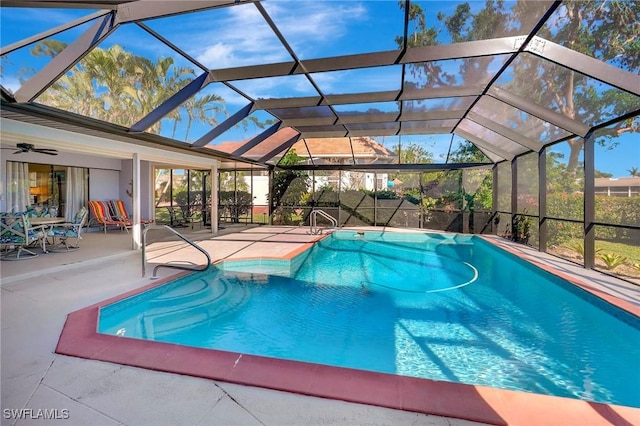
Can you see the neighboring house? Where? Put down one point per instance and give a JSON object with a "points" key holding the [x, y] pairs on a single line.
{"points": [[362, 150], [618, 187]]}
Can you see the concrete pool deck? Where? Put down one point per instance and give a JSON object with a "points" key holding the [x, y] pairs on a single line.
{"points": [[34, 309]]}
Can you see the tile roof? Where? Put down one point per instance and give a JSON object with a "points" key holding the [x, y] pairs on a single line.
{"points": [[363, 147]]}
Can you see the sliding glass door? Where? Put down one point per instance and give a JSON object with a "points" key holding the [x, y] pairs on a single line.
{"points": [[58, 187]]}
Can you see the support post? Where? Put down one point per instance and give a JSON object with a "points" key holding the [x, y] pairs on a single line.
{"points": [[270, 196], [542, 200], [589, 201], [514, 196], [213, 208], [494, 197], [137, 227], [375, 198]]}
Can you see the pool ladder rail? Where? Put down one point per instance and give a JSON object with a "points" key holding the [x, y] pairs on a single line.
{"points": [[191, 267], [313, 221]]}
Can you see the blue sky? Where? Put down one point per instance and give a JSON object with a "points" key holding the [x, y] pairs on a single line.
{"points": [[238, 36]]}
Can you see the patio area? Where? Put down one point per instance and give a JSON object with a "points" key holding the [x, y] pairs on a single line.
{"points": [[38, 294]]}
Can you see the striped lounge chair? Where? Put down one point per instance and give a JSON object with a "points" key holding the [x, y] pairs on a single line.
{"points": [[119, 211], [102, 216]]}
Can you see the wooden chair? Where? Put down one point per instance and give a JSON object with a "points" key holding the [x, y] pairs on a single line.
{"points": [[16, 234], [102, 216]]}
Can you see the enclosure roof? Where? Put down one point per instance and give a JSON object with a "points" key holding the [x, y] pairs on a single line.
{"points": [[252, 79]]}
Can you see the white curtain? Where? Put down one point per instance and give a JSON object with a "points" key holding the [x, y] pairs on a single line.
{"points": [[76, 188], [17, 186]]}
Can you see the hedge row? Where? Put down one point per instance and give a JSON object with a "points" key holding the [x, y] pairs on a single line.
{"points": [[613, 210]]}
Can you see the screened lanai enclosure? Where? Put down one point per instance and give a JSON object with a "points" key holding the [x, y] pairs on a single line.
{"points": [[517, 118]]}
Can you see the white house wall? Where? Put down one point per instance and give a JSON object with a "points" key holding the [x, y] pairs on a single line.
{"points": [[260, 189], [104, 157], [364, 180], [103, 184]]}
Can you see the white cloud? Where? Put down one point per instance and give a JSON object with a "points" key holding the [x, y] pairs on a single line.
{"points": [[241, 37], [234, 101], [323, 22], [219, 55], [327, 81], [357, 81], [248, 40], [276, 87], [49, 17]]}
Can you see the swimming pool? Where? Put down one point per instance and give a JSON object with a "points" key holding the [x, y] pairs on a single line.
{"points": [[437, 306]]}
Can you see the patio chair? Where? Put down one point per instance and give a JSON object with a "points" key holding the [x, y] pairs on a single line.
{"points": [[102, 216], [192, 214], [176, 222], [68, 231], [16, 234], [120, 212]]}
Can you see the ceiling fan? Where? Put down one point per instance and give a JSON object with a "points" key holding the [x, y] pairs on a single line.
{"points": [[27, 147]]}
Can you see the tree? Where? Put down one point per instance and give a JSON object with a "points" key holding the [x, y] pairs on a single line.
{"points": [[149, 84], [634, 171], [203, 109], [289, 186], [413, 153], [477, 184], [114, 85], [607, 30], [600, 174]]}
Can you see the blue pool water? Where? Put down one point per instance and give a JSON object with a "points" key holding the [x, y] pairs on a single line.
{"points": [[434, 306]]}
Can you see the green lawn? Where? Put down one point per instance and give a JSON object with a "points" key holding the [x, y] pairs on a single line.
{"points": [[632, 253]]}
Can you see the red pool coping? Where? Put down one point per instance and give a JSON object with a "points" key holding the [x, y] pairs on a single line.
{"points": [[79, 338]]}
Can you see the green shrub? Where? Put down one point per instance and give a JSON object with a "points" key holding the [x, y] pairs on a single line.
{"points": [[522, 228], [565, 206], [612, 260], [578, 247], [614, 210]]}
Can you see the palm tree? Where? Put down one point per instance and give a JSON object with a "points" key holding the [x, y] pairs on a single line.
{"points": [[105, 69], [117, 86], [634, 171], [70, 93], [114, 85], [203, 109], [151, 83]]}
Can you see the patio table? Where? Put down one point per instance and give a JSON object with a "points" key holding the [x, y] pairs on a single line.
{"points": [[46, 220], [46, 223]]}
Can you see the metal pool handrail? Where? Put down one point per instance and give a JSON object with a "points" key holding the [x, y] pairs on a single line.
{"points": [[313, 220], [169, 265]]}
